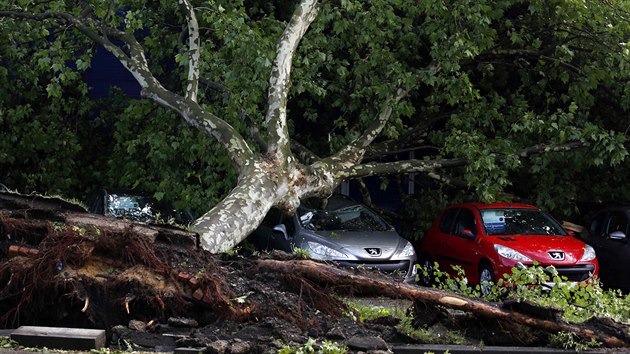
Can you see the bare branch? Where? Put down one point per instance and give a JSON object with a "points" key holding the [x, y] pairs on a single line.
{"points": [[410, 139], [254, 132], [353, 153], [405, 166], [213, 85], [365, 192], [194, 50], [134, 60], [453, 182], [304, 155], [535, 54], [276, 119], [427, 166]]}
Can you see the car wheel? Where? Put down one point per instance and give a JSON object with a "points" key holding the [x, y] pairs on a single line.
{"points": [[425, 273], [486, 279]]}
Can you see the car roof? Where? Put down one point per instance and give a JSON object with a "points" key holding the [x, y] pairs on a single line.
{"points": [[496, 205]]}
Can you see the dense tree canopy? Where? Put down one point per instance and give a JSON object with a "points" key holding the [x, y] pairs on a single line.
{"points": [[496, 99]]}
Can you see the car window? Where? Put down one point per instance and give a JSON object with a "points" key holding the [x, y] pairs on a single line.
{"points": [[465, 221], [353, 218], [617, 222], [447, 220], [597, 225], [511, 221]]}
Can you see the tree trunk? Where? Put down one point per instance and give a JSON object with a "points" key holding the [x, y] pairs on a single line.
{"points": [[236, 216]]}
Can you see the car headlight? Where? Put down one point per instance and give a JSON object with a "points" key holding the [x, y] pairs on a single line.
{"points": [[509, 253], [408, 251], [319, 251], [589, 254]]}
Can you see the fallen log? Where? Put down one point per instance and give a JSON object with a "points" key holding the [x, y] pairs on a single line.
{"points": [[343, 281]]}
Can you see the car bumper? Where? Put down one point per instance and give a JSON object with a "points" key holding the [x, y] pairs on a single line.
{"points": [[569, 274], [406, 266]]}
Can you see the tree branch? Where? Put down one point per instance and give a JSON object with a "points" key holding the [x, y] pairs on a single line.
{"points": [[535, 54], [408, 140], [135, 62], [276, 119], [304, 155], [426, 166], [353, 152], [194, 50], [453, 182]]}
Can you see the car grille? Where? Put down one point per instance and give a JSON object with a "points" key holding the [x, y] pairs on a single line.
{"points": [[386, 266], [576, 273]]}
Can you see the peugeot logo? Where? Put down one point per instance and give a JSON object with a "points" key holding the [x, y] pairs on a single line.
{"points": [[557, 255], [373, 252]]}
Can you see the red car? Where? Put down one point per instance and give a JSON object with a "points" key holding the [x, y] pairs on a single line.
{"points": [[488, 240]]}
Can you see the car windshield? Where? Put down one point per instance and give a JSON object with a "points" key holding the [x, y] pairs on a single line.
{"points": [[353, 218], [519, 222]]}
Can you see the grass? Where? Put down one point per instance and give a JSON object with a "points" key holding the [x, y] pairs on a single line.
{"points": [[361, 312], [7, 344]]}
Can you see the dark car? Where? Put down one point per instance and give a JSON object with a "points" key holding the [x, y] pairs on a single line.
{"points": [[136, 206], [345, 231], [608, 234], [488, 240]]}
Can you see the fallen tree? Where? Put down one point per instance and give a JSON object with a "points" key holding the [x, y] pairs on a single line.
{"points": [[61, 266], [496, 82]]}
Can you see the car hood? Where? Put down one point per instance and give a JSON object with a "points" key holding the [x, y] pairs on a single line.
{"points": [[541, 248], [388, 242]]}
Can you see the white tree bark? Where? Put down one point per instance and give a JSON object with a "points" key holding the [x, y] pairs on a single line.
{"points": [[275, 179], [276, 118], [236, 216]]}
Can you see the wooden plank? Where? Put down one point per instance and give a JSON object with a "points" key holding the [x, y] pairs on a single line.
{"points": [[59, 337]]}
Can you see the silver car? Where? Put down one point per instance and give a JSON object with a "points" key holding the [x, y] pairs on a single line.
{"points": [[346, 232]]}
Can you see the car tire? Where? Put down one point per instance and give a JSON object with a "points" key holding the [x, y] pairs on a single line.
{"points": [[486, 279], [427, 279]]}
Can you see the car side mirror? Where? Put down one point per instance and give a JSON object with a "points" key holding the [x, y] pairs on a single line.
{"points": [[281, 229], [617, 235], [467, 234]]}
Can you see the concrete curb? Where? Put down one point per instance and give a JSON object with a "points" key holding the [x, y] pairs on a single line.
{"points": [[469, 349]]}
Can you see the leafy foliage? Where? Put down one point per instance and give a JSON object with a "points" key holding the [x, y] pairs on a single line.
{"points": [[7, 343], [312, 347], [543, 286], [566, 340], [486, 79]]}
